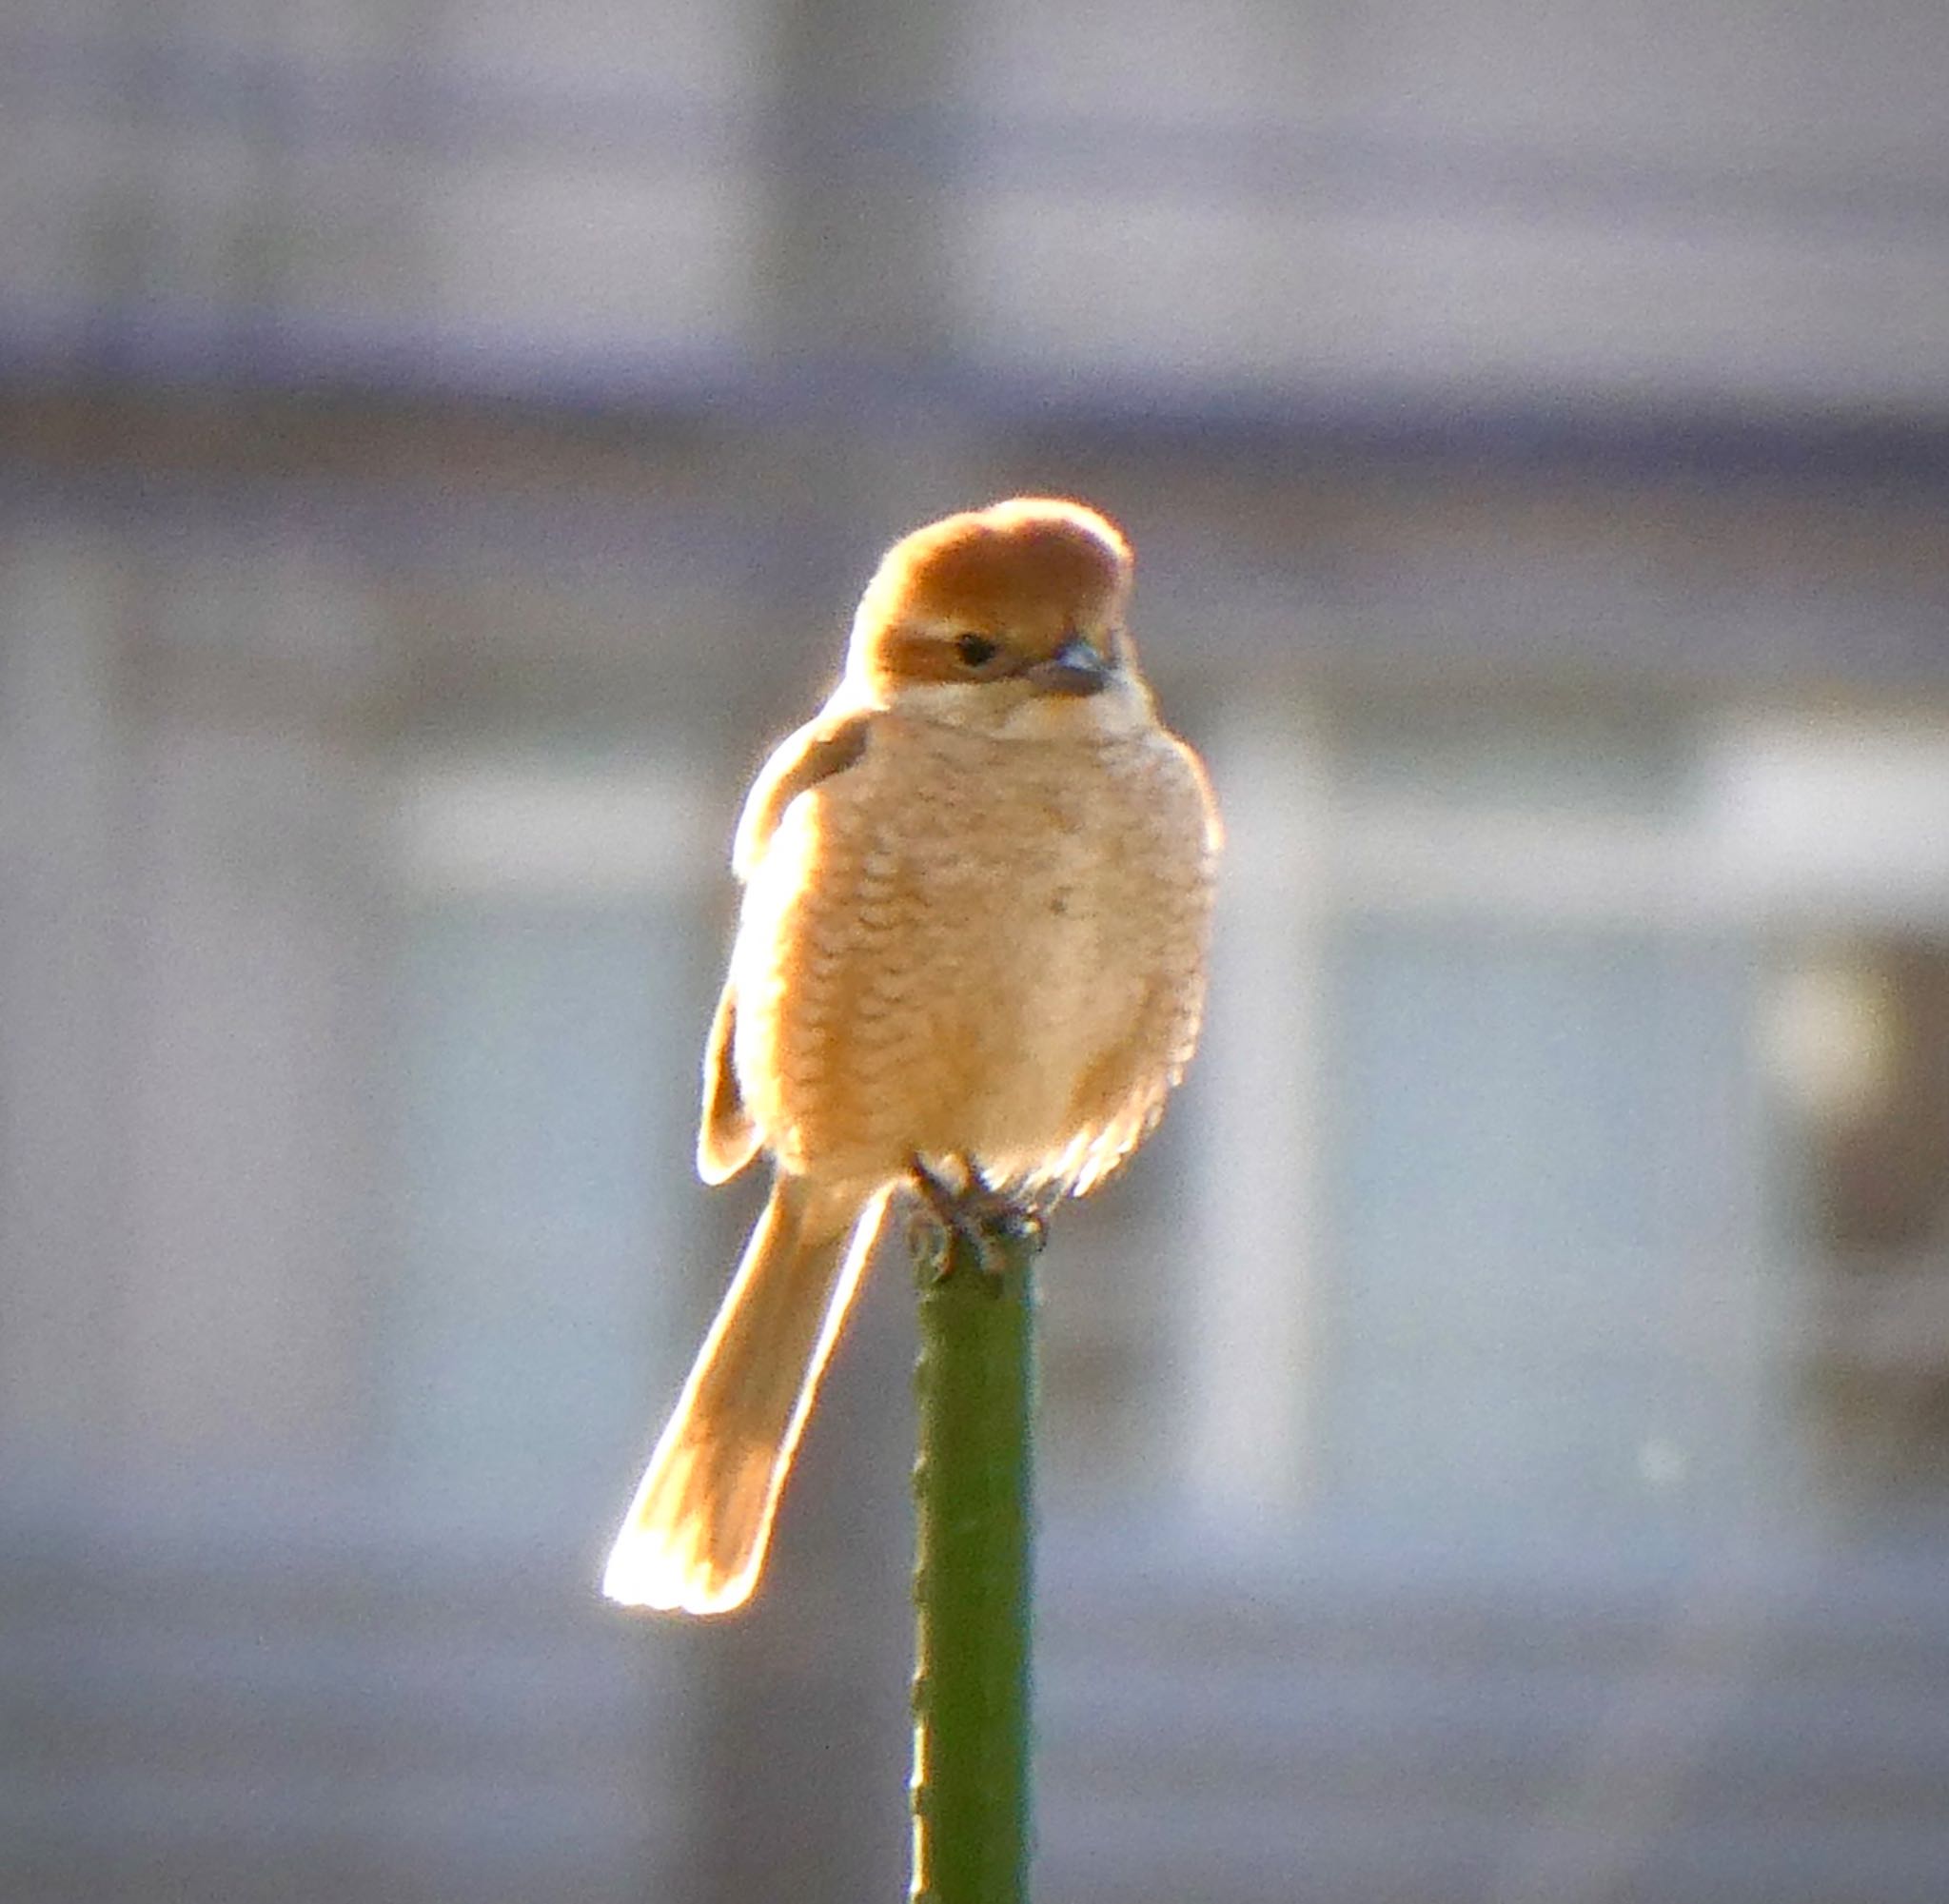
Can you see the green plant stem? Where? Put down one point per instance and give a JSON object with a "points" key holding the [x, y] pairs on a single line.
{"points": [[975, 1386]]}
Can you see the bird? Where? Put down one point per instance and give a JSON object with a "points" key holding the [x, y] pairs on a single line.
{"points": [[968, 963]]}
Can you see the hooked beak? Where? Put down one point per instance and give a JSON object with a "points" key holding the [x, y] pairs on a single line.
{"points": [[1075, 668]]}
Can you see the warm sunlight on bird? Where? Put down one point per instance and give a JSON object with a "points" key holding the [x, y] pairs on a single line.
{"points": [[977, 889]]}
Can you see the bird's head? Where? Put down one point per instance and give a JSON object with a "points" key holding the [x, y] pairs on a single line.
{"points": [[1008, 619]]}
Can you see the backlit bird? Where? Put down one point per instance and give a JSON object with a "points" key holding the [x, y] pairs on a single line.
{"points": [[977, 888]]}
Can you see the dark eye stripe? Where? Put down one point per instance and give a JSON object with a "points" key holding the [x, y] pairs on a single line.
{"points": [[916, 655]]}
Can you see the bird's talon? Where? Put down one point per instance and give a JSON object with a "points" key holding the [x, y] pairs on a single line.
{"points": [[931, 1246], [983, 1219], [1022, 1223]]}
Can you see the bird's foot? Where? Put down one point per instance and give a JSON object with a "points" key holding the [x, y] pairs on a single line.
{"points": [[975, 1214]]}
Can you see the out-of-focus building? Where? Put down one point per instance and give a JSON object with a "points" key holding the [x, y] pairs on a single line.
{"points": [[1498, 1440]]}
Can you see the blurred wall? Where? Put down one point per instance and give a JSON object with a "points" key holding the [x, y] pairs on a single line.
{"points": [[1494, 1441]]}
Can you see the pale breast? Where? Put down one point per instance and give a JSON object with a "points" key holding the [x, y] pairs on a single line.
{"points": [[970, 945]]}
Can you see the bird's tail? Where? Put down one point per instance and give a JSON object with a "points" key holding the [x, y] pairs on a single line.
{"points": [[694, 1536]]}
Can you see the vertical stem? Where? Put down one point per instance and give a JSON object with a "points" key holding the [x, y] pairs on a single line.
{"points": [[976, 1384]]}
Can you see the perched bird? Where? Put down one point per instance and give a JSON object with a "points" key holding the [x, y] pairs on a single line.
{"points": [[970, 959]]}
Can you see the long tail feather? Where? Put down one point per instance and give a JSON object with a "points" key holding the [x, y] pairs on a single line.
{"points": [[694, 1537]]}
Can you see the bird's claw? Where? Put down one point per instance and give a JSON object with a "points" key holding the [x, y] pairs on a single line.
{"points": [[976, 1214]]}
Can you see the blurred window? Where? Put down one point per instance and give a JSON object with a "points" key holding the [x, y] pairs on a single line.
{"points": [[1548, 1308], [552, 986], [1544, 1300]]}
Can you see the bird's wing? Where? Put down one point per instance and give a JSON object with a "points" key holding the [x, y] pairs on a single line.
{"points": [[824, 746], [727, 1138]]}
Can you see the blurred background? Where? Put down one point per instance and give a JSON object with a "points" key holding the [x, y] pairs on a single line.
{"points": [[1497, 1440]]}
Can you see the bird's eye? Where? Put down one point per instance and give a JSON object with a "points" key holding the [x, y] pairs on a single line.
{"points": [[975, 651]]}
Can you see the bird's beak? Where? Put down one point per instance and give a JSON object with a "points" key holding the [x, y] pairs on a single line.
{"points": [[1075, 668]]}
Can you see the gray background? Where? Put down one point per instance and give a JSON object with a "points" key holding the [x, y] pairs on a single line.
{"points": [[1494, 1442]]}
